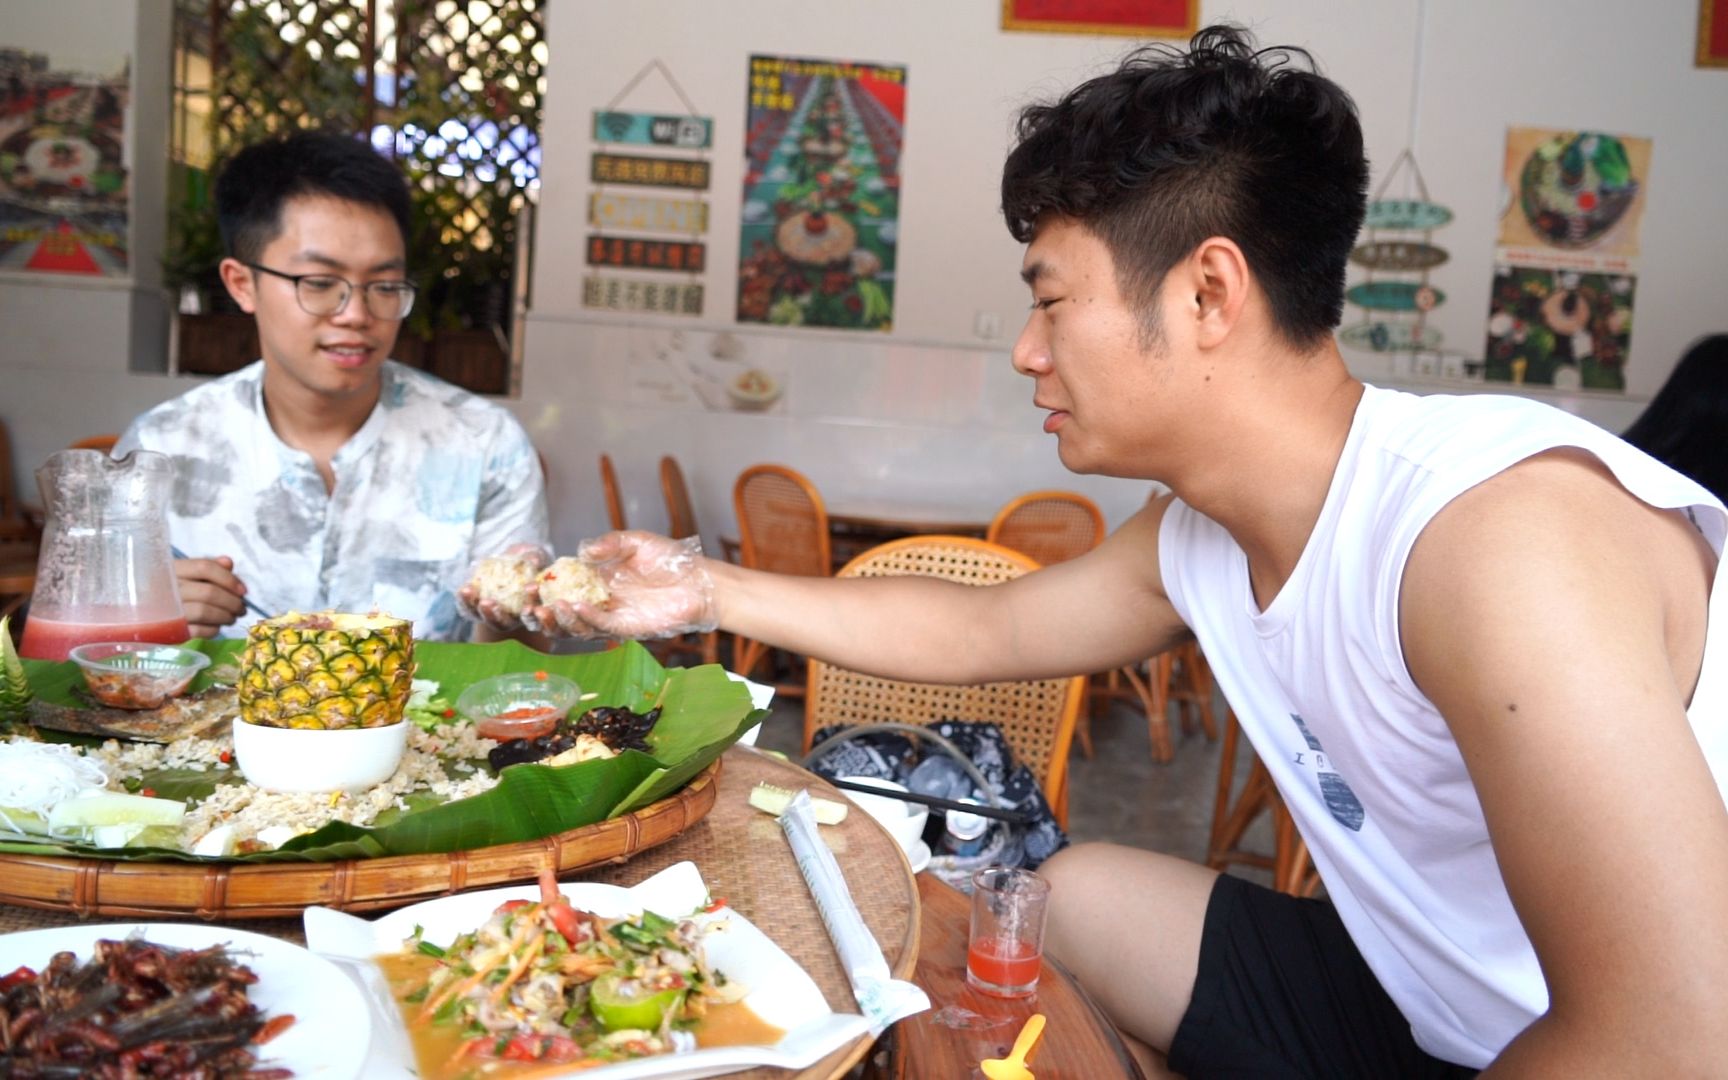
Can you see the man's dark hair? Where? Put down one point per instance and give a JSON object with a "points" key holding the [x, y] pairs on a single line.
{"points": [[1223, 140], [256, 182], [1684, 423]]}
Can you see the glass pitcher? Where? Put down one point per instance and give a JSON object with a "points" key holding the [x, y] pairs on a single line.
{"points": [[106, 572]]}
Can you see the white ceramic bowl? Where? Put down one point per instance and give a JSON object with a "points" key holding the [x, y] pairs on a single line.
{"points": [[302, 759], [904, 820]]}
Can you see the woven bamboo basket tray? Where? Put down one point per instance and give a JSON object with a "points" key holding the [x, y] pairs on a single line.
{"points": [[235, 890]]}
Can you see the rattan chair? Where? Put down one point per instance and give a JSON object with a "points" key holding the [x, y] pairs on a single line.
{"points": [[1292, 870], [104, 443], [1050, 526], [782, 528], [681, 519], [1037, 717], [614, 502], [20, 534]]}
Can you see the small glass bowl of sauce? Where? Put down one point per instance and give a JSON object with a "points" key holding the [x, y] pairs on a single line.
{"points": [[136, 674], [521, 705]]}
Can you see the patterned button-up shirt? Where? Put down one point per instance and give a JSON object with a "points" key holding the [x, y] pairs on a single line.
{"points": [[435, 478]]}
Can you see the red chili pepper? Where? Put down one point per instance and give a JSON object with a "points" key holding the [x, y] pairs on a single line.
{"points": [[716, 904], [148, 793], [541, 675], [448, 713], [226, 757]]}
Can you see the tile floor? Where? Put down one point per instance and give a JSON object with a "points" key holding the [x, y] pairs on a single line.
{"points": [[1119, 794]]}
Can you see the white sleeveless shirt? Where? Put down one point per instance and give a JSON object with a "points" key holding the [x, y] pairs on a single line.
{"points": [[1367, 765]]}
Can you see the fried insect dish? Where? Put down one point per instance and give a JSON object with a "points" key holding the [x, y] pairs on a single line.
{"points": [[134, 1009]]}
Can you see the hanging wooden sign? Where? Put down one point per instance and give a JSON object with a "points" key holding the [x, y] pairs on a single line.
{"points": [[1391, 336], [681, 256], [647, 129], [627, 294], [650, 171], [612, 212], [1395, 296], [1398, 255], [1415, 215]]}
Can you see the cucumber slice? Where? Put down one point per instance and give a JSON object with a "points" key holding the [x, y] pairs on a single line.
{"points": [[114, 808]]}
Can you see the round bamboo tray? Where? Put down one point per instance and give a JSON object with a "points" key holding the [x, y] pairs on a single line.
{"points": [[235, 890]]}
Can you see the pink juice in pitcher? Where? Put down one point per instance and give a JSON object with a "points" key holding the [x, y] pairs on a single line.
{"points": [[106, 571], [52, 639]]}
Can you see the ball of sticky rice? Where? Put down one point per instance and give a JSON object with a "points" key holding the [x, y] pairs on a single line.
{"points": [[571, 580], [504, 580]]}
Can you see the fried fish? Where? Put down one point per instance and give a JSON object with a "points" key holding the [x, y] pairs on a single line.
{"points": [[202, 715]]}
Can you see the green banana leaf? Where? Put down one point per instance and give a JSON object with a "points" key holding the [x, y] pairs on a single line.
{"points": [[702, 713]]}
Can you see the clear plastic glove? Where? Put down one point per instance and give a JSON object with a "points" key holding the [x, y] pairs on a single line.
{"points": [[500, 587], [657, 588]]}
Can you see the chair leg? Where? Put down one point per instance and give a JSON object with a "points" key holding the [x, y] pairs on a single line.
{"points": [[1292, 870], [1153, 691]]}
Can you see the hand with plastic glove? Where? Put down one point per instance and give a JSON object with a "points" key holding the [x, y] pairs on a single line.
{"points": [[501, 587], [655, 587]]}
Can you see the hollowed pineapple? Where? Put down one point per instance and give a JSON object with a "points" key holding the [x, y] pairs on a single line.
{"points": [[326, 671]]}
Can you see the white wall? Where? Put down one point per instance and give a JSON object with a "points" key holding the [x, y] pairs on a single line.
{"points": [[931, 413]]}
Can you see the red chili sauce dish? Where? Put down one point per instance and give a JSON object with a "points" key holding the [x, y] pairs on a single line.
{"points": [[522, 722], [519, 705]]}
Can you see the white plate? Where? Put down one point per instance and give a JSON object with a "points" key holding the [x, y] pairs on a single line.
{"points": [[919, 856], [330, 1033], [781, 992]]}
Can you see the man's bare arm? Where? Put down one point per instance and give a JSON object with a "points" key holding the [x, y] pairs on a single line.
{"points": [[1558, 625]]}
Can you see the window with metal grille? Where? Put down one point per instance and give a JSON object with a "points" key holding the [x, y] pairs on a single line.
{"points": [[452, 89]]}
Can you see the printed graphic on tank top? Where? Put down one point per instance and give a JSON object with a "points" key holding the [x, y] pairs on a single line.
{"points": [[1345, 807]]}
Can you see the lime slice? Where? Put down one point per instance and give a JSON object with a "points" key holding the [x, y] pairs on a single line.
{"points": [[624, 1004]]}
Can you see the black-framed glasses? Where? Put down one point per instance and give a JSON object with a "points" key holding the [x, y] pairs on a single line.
{"points": [[327, 294]]}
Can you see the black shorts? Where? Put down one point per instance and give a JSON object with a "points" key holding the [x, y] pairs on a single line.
{"points": [[1283, 991]]}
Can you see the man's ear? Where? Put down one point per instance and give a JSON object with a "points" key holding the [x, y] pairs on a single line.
{"points": [[239, 280], [1218, 274]]}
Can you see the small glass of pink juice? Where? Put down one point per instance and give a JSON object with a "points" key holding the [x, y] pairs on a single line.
{"points": [[1005, 950]]}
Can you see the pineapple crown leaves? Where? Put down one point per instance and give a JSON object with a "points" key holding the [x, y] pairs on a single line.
{"points": [[14, 687]]}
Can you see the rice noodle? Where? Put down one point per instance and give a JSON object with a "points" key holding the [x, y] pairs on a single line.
{"points": [[35, 776]]}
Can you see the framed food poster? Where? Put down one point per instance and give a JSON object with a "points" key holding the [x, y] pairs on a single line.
{"points": [[1712, 33], [820, 222], [1135, 18]]}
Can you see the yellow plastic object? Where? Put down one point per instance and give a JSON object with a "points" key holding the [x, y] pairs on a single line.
{"points": [[1013, 1067]]}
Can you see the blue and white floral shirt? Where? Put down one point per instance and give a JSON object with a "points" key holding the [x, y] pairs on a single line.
{"points": [[434, 479]]}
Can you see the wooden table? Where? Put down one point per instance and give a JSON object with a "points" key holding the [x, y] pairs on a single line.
{"points": [[855, 527], [744, 858], [1078, 1043]]}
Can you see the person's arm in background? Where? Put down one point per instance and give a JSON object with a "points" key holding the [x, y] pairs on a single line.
{"points": [[210, 592], [512, 512], [1558, 625]]}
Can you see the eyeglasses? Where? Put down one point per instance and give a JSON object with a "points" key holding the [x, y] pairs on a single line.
{"points": [[327, 294]]}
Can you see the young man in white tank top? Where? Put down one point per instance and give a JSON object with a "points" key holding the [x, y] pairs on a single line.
{"points": [[1465, 634]]}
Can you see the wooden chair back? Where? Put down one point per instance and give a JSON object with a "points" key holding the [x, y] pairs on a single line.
{"points": [[17, 530], [680, 514], [614, 501], [782, 522], [104, 443], [1037, 717], [1050, 526]]}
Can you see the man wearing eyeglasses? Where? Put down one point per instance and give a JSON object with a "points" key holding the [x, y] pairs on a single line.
{"points": [[327, 475]]}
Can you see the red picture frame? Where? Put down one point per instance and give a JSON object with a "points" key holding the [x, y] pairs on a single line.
{"points": [[1134, 18], [1712, 33]]}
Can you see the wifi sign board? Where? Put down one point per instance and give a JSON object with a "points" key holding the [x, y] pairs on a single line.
{"points": [[648, 129]]}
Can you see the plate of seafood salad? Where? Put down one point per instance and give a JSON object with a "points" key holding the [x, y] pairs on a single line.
{"points": [[652, 981], [173, 999]]}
